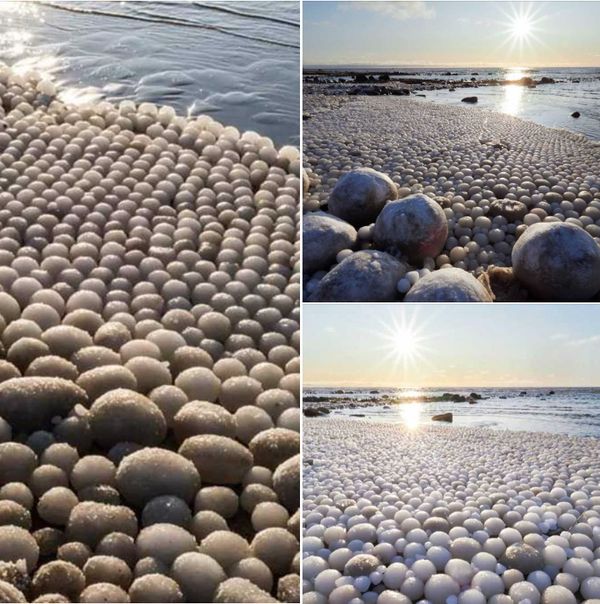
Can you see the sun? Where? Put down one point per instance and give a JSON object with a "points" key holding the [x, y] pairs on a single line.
{"points": [[521, 27], [405, 342]]}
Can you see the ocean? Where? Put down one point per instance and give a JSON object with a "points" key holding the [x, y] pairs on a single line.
{"points": [[572, 411], [236, 60], [576, 89]]}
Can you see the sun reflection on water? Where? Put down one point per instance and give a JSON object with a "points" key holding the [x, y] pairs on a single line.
{"points": [[513, 97], [411, 415]]}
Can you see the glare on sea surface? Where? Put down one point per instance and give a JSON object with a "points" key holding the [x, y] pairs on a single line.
{"points": [[513, 97], [411, 415]]}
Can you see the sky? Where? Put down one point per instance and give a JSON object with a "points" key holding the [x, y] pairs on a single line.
{"points": [[451, 345], [452, 34]]}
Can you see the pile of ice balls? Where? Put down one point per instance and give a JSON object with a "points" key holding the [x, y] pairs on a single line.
{"points": [[149, 340], [393, 198], [448, 516]]}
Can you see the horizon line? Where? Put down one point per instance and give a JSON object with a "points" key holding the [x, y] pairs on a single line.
{"points": [[442, 66], [440, 387]]}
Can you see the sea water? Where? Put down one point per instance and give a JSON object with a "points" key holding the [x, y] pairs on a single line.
{"points": [[237, 61], [572, 411]]}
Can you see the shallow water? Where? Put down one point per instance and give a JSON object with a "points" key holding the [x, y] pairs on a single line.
{"points": [[236, 60], [572, 411], [576, 89]]}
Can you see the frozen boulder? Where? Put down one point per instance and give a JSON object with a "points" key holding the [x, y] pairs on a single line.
{"points": [[323, 236], [367, 276], [448, 285], [360, 195], [415, 226], [557, 261]]}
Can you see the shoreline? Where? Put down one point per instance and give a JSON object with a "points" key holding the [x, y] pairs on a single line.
{"points": [[465, 515]]}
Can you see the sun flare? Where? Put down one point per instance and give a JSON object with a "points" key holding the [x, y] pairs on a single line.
{"points": [[521, 27], [405, 342]]}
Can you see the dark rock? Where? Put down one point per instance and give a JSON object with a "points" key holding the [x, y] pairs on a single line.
{"points": [[546, 80], [442, 417], [469, 99], [551, 392], [312, 412], [575, 114]]}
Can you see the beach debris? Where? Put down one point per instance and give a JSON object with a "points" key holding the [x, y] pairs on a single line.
{"points": [[360, 195], [512, 209], [503, 284], [449, 285], [469, 99], [557, 261], [365, 276], [414, 226], [442, 417], [575, 114], [324, 236]]}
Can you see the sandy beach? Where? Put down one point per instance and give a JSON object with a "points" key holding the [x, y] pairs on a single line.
{"points": [[493, 175], [448, 515]]}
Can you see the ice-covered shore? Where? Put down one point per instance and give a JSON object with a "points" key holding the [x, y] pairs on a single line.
{"points": [[492, 174], [448, 515], [149, 366]]}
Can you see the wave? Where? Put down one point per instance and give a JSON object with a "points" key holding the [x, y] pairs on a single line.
{"points": [[240, 13], [153, 18]]}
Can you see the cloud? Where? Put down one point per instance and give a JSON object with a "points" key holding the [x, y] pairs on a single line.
{"points": [[401, 11], [586, 341]]}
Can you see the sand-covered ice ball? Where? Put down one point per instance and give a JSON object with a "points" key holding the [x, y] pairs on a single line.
{"points": [[30, 403], [197, 575], [90, 521], [155, 588], [557, 261], [17, 544], [9, 593], [103, 592], [414, 226], [152, 472], [360, 195], [365, 276], [448, 285], [125, 415], [323, 237], [164, 542], [218, 459]]}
